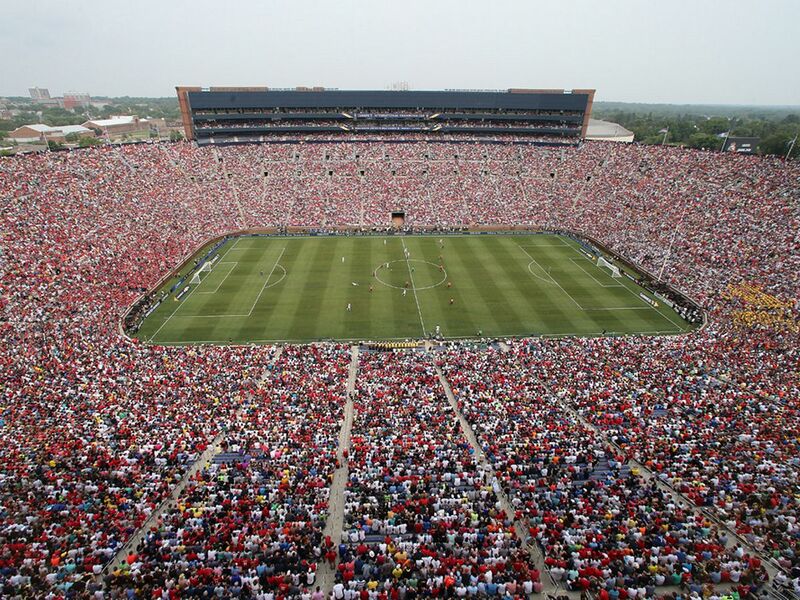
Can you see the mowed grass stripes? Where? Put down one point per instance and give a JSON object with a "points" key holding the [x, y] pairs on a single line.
{"points": [[298, 289]]}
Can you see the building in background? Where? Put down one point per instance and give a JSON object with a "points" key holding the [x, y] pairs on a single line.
{"points": [[118, 125], [74, 100], [39, 94], [233, 115], [39, 132], [42, 96], [70, 100], [606, 131]]}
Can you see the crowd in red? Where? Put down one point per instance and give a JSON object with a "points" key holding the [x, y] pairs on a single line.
{"points": [[96, 429], [601, 524], [421, 516], [252, 520]]}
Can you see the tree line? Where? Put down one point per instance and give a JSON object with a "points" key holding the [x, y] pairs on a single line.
{"points": [[705, 127]]}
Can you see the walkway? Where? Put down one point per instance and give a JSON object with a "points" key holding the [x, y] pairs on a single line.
{"points": [[520, 529], [171, 501], [326, 574], [645, 473]]}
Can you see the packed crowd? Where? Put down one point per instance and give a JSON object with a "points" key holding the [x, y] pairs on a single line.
{"points": [[250, 524], [96, 430], [421, 517], [600, 523]]}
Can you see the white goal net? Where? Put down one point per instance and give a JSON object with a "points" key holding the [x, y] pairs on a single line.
{"points": [[603, 263], [206, 268]]}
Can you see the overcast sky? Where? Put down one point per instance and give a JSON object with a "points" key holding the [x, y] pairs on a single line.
{"points": [[678, 51]]}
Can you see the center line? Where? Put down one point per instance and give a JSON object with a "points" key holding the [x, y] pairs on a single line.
{"points": [[267, 281], [413, 287]]}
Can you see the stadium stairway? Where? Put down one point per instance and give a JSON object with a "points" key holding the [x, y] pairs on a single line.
{"points": [[124, 160], [226, 177], [603, 470], [326, 573], [211, 453], [646, 474], [520, 529]]}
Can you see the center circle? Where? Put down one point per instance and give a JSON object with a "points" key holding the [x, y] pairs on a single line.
{"points": [[382, 268]]}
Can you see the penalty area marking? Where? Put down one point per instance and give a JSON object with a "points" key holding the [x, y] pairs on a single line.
{"points": [[413, 287], [274, 283], [539, 277], [552, 279], [576, 262], [219, 285], [268, 285], [192, 291]]}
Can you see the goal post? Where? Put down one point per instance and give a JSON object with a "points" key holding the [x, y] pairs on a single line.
{"points": [[604, 264], [206, 268]]}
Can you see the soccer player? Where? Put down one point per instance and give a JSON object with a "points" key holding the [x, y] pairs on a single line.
{"points": [[349, 308], [452, 301], [343, 259]]}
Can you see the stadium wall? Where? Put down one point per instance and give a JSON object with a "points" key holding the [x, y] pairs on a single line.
{"points": [[215, 115]]}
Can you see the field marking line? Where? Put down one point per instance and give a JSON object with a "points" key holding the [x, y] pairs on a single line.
{"points": [[605, 285], [413, 286], [608, 333], [668, 318], [269, 285], [581, 253], [446, 337], [219, 285], [539, 277], [180, 303], [267, 281], [551, 277], [625, 286], [658, 312], [192, 291], [397, 287], [621, 308]]}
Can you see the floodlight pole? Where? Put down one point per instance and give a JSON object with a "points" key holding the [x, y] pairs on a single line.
{"points": [[671, 242], [666, 133], [791, 147]]}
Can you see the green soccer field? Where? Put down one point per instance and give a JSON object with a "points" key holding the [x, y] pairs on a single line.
{"points": [[301, 289]]}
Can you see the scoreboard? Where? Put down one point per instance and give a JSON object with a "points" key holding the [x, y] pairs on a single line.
{"points": [[743, 145]]}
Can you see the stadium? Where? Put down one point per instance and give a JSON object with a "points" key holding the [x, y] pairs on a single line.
{"points": [[388, 345]]}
